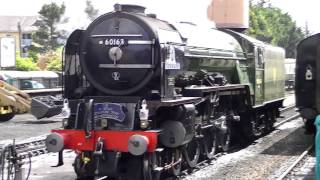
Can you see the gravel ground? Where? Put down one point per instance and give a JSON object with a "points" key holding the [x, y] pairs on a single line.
{"points": [[24, 126], [42, 167], [261, 159]]}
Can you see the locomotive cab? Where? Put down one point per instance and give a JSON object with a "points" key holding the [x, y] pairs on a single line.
{"points": [[307, 80]]}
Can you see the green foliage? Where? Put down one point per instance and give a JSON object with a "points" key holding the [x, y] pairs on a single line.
{"points": [[25, 64], [270, 24], [47, 34], [51, 61], [92, 13], [34, 55], [54, 65]]}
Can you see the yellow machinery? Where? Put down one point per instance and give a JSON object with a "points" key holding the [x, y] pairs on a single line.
{"points": [[12, 101]]}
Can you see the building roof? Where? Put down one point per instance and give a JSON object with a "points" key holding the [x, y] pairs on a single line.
{"points": [[29, 74], [10, 23]]}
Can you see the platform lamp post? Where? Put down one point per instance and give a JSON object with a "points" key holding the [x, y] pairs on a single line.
{"points": [[317, 143], [20, 37]]}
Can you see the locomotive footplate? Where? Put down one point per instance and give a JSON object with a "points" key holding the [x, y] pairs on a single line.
{"points": [[231, 89], [155, 104]]}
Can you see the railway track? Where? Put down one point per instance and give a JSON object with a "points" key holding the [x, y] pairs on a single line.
{"points": [[287, 174], [14, 155], [33, 147], [286, 120], [199, 166], [284, 110]]}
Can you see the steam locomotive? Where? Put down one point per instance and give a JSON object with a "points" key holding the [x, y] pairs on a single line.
{"points": [[307, 80], [146, 98]]}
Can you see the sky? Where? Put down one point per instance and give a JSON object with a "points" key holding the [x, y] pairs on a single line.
{"points": [[171, 10], [306, 11]]}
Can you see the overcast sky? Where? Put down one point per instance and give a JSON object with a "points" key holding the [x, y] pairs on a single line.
{"points": [[302, 12], [172, 10]]}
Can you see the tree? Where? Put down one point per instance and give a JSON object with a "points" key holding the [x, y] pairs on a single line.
{"points": [[25, 64], [51, 60], [92, 13], [270, 24], [47, 34], [54, 65], [306, 30]]}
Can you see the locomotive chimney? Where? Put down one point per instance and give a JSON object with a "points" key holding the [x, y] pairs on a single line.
{"points": [[129, 8]]}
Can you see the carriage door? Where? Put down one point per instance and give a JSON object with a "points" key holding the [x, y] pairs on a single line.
{"points": [[259, 85]]}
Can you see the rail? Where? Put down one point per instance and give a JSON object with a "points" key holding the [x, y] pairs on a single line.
{"points": [[28, 146], [296, 162], [287, 120], [13, 156], [282, 110]]}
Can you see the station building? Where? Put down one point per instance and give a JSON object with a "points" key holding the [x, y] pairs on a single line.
{"points": [[20, 28]]}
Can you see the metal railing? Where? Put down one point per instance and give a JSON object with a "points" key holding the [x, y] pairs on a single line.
{"points": [[42, 92]]}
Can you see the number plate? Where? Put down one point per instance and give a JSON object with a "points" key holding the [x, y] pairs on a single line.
{"points": [[116, 42], [109, 111]]}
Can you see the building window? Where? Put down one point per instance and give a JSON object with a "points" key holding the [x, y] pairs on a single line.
{"points": [[26, 40], [26, 36]]}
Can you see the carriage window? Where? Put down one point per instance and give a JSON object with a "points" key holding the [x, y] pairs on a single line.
{"points": [[260, 57]]}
